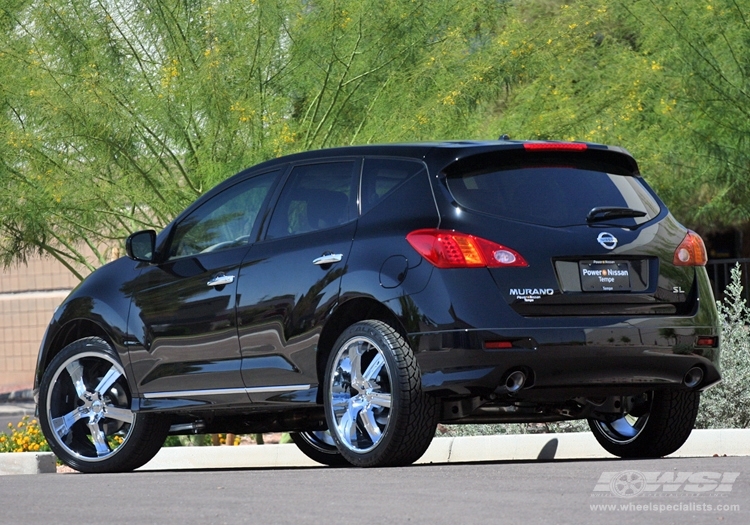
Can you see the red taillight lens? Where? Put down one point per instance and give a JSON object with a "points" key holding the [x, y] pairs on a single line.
{"points": [[691, 251], [450, 249], [710, 341], [554, 146]]}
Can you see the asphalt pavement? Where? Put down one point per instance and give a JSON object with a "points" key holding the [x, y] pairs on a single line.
{"points": [[667, 491]]}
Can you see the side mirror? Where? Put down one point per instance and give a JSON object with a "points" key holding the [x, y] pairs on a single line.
{"points": [[141, 246]]}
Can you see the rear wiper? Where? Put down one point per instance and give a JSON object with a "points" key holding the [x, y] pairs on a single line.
{"points": [[603, 213]]}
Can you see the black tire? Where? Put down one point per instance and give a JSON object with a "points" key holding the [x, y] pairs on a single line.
{"points": [[376, 410], [659, 427], [319, 446], [84, 411]]}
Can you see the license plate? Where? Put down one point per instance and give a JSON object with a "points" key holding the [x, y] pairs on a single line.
{"points": [[604, 276]]}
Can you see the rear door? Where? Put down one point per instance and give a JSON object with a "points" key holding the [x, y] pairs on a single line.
{"points": [[289, 282]]}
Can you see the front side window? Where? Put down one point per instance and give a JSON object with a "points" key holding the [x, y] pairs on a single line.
{"points": [[316, 197], [226, 221]]}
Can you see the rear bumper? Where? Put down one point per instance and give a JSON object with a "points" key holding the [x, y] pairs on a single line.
{"points": [[562, 363]]}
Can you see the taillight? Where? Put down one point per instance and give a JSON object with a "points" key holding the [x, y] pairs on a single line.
{"points": [[451, 249], [691, 251], [555, 146]]}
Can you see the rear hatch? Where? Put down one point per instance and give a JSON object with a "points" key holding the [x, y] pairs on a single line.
{"points": [[596, 238]]}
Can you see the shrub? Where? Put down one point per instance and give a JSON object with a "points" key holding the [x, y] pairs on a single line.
{"points": [[26, 436], [727, 405]]}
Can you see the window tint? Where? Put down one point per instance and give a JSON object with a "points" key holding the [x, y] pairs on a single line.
{"points": [[381, 176], [316, 197], [552, 195], [225, 221]]}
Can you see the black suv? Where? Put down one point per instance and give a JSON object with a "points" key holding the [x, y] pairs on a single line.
{"points": [[358, 296]]}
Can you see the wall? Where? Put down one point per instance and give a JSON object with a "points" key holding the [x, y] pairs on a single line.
{"points": [[28, 296]]}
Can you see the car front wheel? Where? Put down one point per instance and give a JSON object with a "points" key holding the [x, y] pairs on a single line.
{"points": [[85, 411], [376, 410], [657, 426]]}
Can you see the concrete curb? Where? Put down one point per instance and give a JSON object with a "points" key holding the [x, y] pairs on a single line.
{"points": [[526, 447], [17, 409], [27, 463]]}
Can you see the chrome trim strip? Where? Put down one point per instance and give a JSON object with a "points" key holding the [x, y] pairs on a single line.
{"points": [[287, 388], [226, 391]]}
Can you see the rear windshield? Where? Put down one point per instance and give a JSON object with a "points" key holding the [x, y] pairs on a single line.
{"points": [[552, 195]]}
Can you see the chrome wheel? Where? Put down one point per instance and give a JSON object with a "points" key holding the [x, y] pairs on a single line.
{"points": [[375, 408], [623, 430], [319, 438], [360, 390], [88, 406], [657, 424], [319, 446], [85, 414]]}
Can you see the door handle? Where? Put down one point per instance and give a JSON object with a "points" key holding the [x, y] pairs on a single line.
{"points": [[328, 258], [221, 280]]}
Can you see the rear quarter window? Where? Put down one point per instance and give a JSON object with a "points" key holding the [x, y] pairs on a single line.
{"points": [[380, 177]]}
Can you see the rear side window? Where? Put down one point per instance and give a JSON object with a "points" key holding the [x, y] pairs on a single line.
{"points": [[315, 197], [552, 195], [381, 176]]}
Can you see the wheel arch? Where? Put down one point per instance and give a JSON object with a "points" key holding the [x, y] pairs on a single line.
{"points": [[71, 331], [346, 314]]}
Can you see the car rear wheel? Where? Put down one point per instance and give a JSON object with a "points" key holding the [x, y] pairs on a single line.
{"points": [[376, 410], [319, 446], [85, 411], [654, 428]]}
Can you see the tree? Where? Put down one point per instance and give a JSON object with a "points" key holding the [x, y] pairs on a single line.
{"points": [[117, 113], [667, 80]]}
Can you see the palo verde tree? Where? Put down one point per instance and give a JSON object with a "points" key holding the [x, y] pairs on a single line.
{"points": [[667, 80], [117, 113]]}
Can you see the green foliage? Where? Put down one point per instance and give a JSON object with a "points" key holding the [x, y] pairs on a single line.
{"points": [[727, 405], [667, 80], [115, 115]]}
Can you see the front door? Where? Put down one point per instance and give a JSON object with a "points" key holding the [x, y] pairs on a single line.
{"points": [[183, 309]]}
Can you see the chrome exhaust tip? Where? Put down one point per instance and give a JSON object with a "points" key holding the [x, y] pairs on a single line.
{"points": [[693, 377], [515, 382]]}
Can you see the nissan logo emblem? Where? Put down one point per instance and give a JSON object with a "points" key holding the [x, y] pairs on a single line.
{"points": [[607, 240]]}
